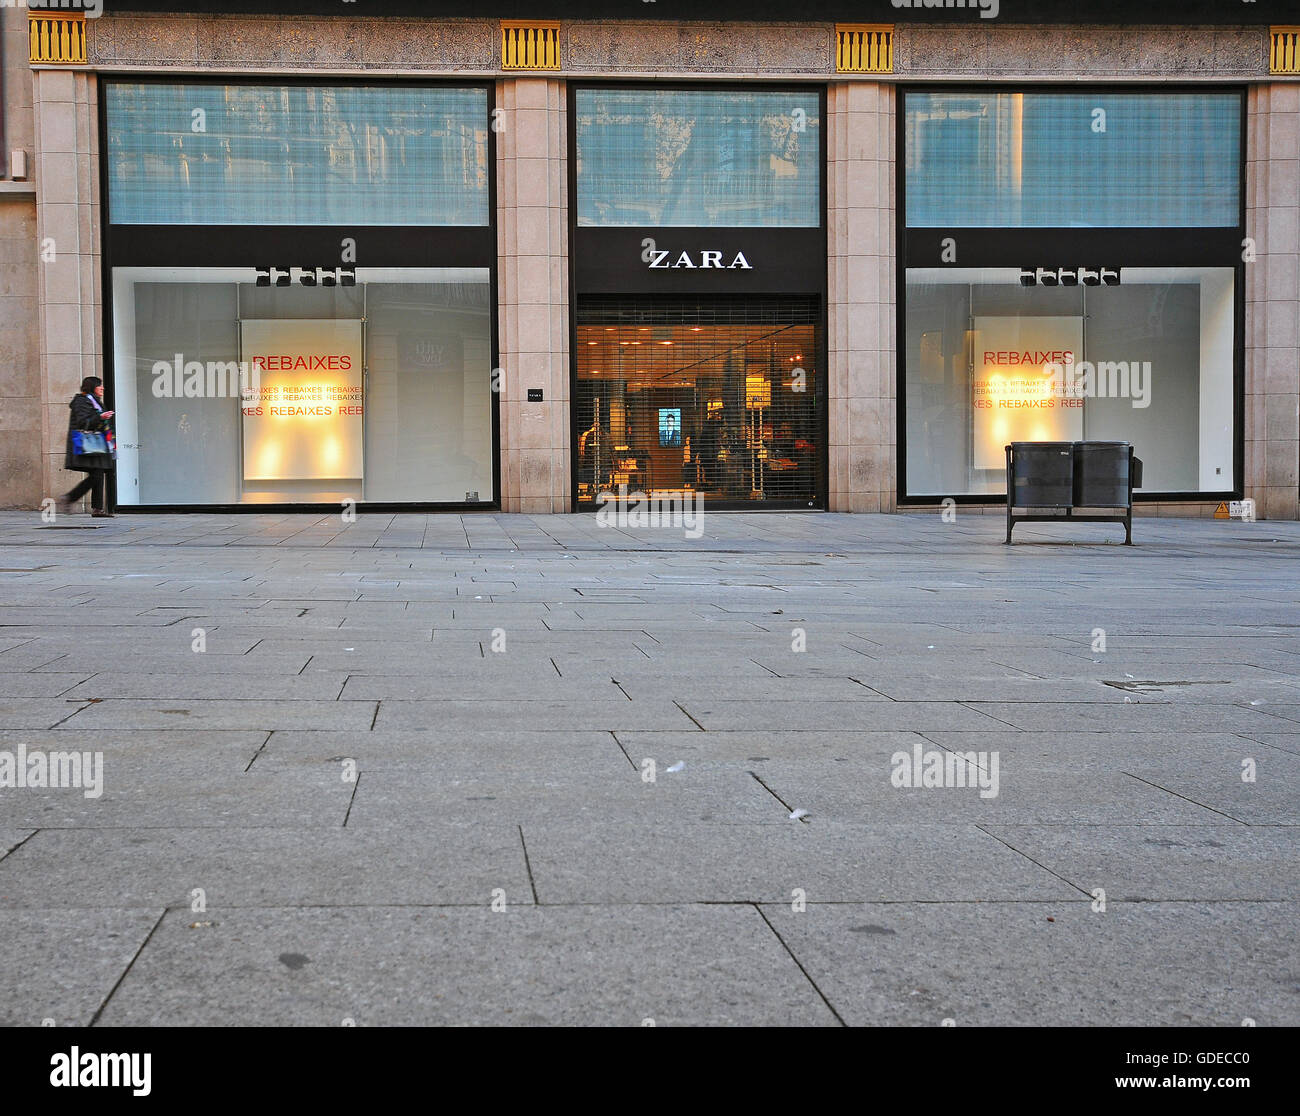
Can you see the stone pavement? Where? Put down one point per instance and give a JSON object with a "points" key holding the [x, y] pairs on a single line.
{"points": [[396, 725]]}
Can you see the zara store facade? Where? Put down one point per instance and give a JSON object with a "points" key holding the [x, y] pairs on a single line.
{"points": [[463, 262]]}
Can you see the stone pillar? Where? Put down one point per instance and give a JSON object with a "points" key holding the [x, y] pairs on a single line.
{"points": [[533, 292], [68, 304], [861, 332], [20, 366], [1272, 419]]}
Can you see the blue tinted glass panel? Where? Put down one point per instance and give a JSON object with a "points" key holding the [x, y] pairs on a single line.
{"points": [[1034, 160], [698, 158], [203, 154]]}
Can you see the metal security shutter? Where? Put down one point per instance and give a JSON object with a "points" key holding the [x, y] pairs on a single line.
{"points": [[723, 397]]}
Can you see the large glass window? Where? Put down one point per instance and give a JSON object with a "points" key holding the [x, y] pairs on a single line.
{"points": [[1047, 159], [721, 399], [198, 153], [698, 158], [228, 391], [990, 361]]}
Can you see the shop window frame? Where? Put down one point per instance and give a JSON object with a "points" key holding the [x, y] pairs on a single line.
{"points": [[821, 500], [301, 245], [985, 246]]}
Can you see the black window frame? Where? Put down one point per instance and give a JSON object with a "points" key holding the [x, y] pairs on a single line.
{"points": [[395, 246], [984, 246]]}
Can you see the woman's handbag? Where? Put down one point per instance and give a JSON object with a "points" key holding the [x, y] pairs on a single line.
{"points": [[85, 442]]}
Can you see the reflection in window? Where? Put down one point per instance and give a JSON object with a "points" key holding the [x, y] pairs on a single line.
{"points": [[697, 158], [201, 153], [1033, 160]]}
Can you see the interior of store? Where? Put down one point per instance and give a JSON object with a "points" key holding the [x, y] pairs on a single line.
{"points": [[729, 411]]}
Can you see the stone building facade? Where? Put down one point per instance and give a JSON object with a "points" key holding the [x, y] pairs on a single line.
{"points": [[54, 329]]}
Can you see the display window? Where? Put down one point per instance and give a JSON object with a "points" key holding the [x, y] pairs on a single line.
{"points": [[231, 392], [1070, 270], [991, 361], [720, 400], [300, 283]]}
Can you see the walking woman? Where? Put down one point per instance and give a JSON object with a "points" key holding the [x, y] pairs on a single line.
{"points": [[88, 430]]}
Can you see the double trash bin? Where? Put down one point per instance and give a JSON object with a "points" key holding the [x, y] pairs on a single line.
{"points": [[1081, 481]]}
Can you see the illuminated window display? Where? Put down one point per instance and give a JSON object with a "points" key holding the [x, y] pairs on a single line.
{"points": [[300, 278], [991, 361], [228, 392], [721, 401], [1071, 269]]}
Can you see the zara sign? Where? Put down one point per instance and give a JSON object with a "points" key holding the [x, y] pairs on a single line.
{"points": [[659, 258], [627, 260]]}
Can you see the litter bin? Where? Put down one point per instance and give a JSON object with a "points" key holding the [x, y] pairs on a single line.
{"points": [[1042, 474], [1052, 481], [1101, 474]]}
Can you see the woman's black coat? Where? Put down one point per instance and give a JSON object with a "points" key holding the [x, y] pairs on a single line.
{"points": [[85, 416]]}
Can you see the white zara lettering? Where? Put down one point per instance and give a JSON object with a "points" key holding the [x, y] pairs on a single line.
{"points": [[659, 260]]}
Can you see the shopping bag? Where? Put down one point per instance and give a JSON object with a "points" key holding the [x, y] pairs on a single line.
{"points": [[87, 442]]}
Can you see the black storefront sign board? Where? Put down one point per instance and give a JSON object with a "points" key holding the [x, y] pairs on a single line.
{"points": [[699, 261], [990, 13], [303, 246], [1070, 247]]}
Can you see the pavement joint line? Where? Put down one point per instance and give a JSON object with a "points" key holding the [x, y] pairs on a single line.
{"points": [[999, 720], [788, 808], [881, 693], [355, 784], [693, 720], [1184, 797], [10, 852], [89, 703], [623, 750], [270, 733], [1264, 743], [983, 829], [134, 957], [528, 866], [806, 974]]}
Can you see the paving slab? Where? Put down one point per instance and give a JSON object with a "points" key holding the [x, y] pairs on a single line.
{"points": [[198, 714], [1163, 863], [58, 967], [597, 713], [439, 862], [524, 966], [567, 793], [605, 862], [1052, 964]]}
